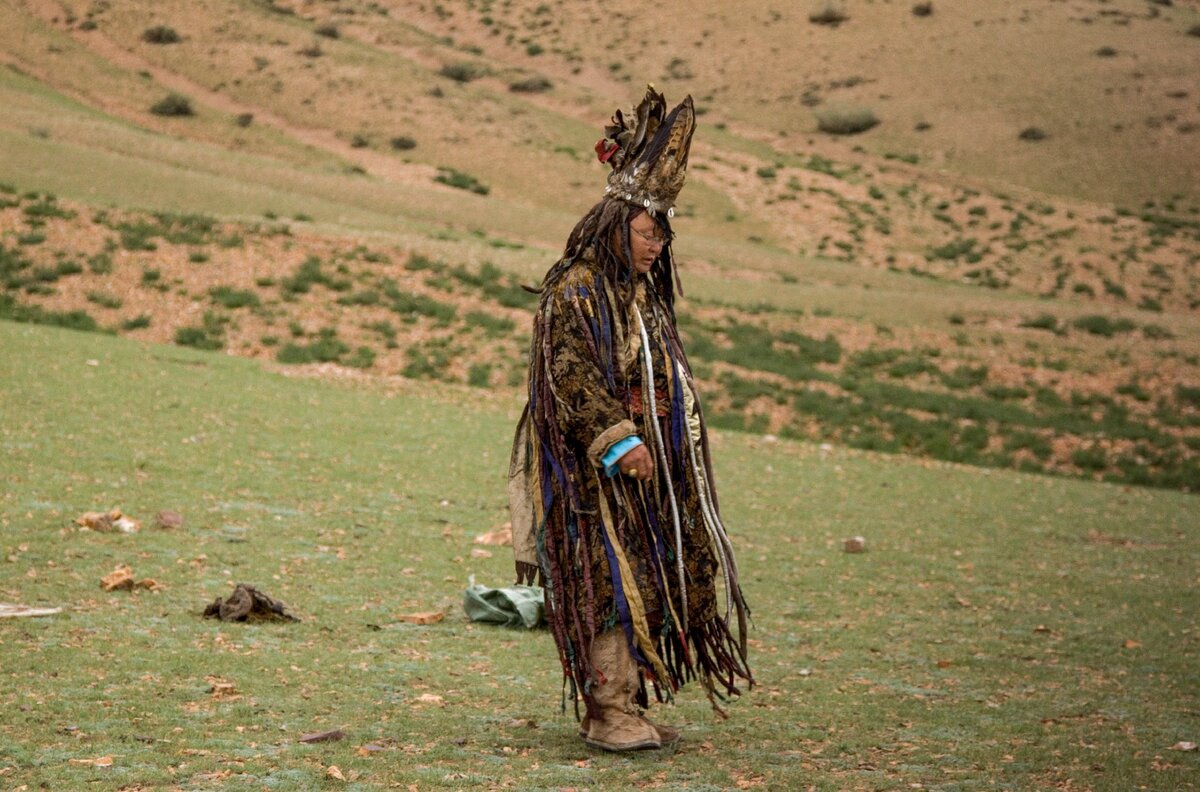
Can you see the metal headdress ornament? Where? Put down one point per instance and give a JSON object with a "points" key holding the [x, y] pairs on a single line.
{"points": [[648, 152]]}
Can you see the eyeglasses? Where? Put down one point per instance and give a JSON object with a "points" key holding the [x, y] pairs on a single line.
{"points": [[650, 239]]}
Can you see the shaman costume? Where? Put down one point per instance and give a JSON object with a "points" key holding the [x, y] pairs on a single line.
{"points": [[641, 583]]}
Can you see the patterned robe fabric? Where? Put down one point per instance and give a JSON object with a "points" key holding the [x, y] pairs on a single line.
{"points": [[650, 558]]}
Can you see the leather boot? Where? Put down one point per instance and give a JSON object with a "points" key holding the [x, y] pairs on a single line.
{"points": [[618, 725], [667, 735]]}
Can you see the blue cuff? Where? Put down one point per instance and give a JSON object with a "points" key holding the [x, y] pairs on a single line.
{"points": [[616, 451]]}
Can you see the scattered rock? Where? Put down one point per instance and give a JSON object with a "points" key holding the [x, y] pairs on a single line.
{"points": [[855, 544], [429, 617], [325, 736], [120, 578], [168, 520], [500, 536], [219, 687], [10, 610], [108, 521]]}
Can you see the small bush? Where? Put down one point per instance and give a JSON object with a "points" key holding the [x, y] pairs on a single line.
{"points": [[312, 50], [846, 120], [922, 9], [534, 49], [829, 14], [328, 30], [1100, 325], [1156, 332], [1106, 52], [197, 257], [460, 180], [362, 358], [173, 105], [244, 119], [136, 323], [104, 299], [462, 72], [479, 375], [1033, 134], [198, 338], [1194, 30], [327, 348], [1150, 304], [160, 34], [537, 84], [403, 143], [359, 141], [1041, 322], [230, 297]]}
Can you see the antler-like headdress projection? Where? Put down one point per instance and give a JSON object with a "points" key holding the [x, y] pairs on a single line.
{"points": [[648, 152]]}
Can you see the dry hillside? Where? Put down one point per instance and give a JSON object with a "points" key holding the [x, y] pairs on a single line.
{"points": [[969, 230]]}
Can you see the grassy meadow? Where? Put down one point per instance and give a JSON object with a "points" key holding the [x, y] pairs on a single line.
{"points": [[1003, 630], [931, 253]]}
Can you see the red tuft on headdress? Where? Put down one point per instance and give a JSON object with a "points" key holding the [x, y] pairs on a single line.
{"points": [[603, 152]]}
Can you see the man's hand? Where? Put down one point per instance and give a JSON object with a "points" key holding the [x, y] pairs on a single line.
{"points": [[637, 463]]}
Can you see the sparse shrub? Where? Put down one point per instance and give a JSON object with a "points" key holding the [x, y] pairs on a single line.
{"points": [[362, 358], [534, 49], [1033, 134], [327, 348], [766, 172], [492, 325], [359, 141], [1106, 52], [535, 84], [197, 257], [1194, 30], [230, 297], [173, 105], [479, 375], [150, 276], [104, 299], [101, 263], [1148, 303], [198, 338], [460, 180], [846, 120], [313, 50], [1098, 324], [964, 376], [160, 34], [1090, 458], [31, 238], [1041, 322], [1187, 394], [136, 323], [403, 143], [366, 297], [1156, 332], [463, 71], [828, 14], [328, 30], [244, 119], [922, 9]]}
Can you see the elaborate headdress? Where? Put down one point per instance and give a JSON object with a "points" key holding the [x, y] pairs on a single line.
{"points": [[648, 152]]}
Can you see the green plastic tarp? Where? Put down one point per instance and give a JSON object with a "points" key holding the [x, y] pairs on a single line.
{"points": [[511, 606]]}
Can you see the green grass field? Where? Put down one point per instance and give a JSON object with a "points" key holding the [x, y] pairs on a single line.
{"points": [[1003, 631]]}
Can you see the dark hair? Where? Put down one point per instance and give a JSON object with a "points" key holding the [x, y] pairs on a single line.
{"points": [[606, 222]]}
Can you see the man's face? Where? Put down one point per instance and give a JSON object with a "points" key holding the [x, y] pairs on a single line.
{"points": [[646, 239]]}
